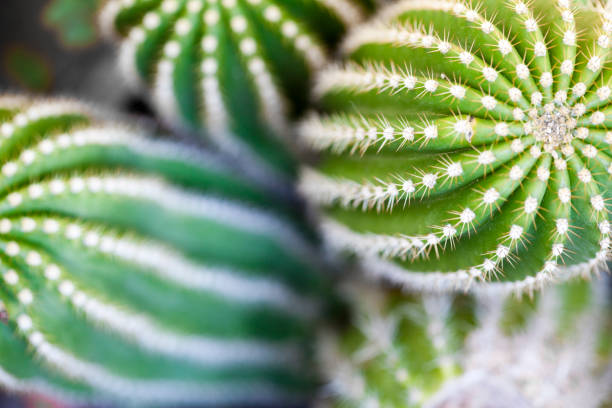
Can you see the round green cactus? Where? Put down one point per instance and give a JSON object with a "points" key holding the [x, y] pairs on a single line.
{"points": [[136, 270], [237, 68], [455, 351], [477, 153]]}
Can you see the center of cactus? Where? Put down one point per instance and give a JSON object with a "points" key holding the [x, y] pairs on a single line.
{"points": [[553, 128]]}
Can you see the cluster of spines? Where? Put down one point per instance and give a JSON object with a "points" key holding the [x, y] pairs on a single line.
{"points": [[74, 193], [488, 135]]}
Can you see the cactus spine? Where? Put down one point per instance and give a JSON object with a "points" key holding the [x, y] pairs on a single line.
{"points": [[136, 270], [472, 156], [437, 351], [237, 68]]}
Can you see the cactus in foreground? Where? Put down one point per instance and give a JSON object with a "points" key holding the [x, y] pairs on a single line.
{"points": [[237, 68], [136, 270], [477, 156], [454, 351]]}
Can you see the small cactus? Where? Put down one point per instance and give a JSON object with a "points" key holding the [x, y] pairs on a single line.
{"points": [[469, 145], [439, 351], [237, 68], [139, 271]]}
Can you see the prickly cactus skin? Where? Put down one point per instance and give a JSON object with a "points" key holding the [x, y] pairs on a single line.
{"points": [[236, 68], [140, 272], [455, 350], [469, 145]]}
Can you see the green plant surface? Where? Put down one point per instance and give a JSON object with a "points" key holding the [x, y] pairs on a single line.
{"points": [[138, 271], [436, 351], [235, 69], [73, 21], [468, 145], [28, 68]]}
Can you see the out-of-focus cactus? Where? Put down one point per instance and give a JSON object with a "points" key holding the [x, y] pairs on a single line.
{"points": [[73, 21], [445, 351], [238, 68], [468, 143], [139, 271]]}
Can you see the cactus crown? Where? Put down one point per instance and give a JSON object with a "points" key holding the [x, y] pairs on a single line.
{"points": [[480, 153], [134, 269], [233, 67], [445, 350]]}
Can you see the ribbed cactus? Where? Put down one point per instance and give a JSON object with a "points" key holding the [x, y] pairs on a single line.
{"points": [[469, 143], [137, 270], [237, 68], [445, 351]]}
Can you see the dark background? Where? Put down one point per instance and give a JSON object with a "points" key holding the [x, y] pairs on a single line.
{"points": [[52, 47]]}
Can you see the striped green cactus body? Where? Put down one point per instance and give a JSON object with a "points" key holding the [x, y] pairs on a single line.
{"points": [[439, 351], [136, 270], [237, 68], [468, 145]]}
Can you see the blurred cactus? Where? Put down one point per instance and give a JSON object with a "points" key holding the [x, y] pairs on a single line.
{"points": [[236, 68], [73, 21], [139, 271], [28, 68], [453, 351], [469, 145]]}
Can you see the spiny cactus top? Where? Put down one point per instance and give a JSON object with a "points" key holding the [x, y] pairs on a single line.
{"points": [[469, 142], [134, 269], [439, 351], [234, 67]]}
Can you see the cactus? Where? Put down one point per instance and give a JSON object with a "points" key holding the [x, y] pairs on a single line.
{"points": [[477, 156], [447, 350], [237, 68], [135, 270]]}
